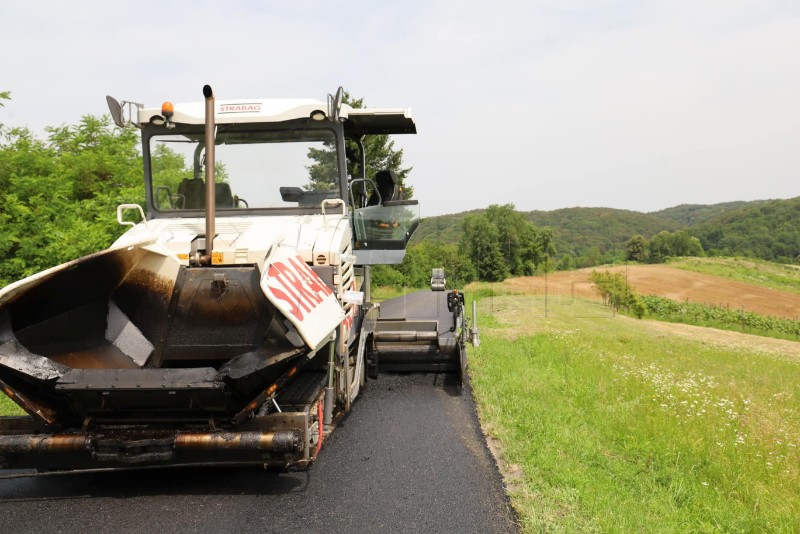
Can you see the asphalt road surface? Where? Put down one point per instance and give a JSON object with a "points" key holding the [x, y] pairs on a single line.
{"points": [[409, 457]]}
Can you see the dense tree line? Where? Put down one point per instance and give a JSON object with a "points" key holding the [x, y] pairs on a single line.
{"points": [[58, 194], [502, 243], [585, 237], [767, 231], [420, 259], [497, 243], [662, 246]]}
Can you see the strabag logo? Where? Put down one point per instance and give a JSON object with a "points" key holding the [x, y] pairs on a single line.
{"points": [[244, 107], [298, 286], [300, 295]]}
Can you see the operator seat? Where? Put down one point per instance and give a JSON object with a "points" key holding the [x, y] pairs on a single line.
{"points": [[222, 195], [193, 193], [387, 186]]}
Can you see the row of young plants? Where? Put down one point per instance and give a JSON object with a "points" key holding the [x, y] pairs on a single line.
{"points": [[619, 295], [720, 316]]}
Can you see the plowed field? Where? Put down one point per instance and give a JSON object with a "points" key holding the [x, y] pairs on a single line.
{"points": [[671, 283]]}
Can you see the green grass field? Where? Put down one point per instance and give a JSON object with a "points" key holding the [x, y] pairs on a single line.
{"points": [[605, 425]]}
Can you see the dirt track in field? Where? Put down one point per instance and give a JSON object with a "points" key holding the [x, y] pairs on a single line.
{"points": [[671, 283]]}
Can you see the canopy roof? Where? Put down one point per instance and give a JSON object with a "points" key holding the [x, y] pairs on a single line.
{"points": [[365, 121]]}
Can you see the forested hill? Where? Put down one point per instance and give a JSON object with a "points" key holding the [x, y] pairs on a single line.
{"points": [[692, 214], [573, 228], [578, 230], [768, 229]]}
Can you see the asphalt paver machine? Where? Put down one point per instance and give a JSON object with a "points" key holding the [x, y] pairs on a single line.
{"points": [[232, 323]]}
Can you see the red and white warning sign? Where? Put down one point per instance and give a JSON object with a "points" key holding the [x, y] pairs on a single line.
{"points": [[300, 295]]}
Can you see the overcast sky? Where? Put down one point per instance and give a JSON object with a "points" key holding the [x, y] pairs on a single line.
{"points": [[548, 104]]}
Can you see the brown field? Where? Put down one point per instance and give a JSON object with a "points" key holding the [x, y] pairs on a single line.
{"points": [[668, 282], [661, 280]]}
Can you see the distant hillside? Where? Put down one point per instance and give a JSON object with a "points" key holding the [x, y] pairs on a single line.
{"points": [[769, 231], [575, 230], [446, 229], [693, 214]]}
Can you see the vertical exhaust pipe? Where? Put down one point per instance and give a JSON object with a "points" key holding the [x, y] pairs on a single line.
{"points": [[210, 178]]}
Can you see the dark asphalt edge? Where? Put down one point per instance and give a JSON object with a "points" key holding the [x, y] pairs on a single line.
{"points": [[467, 391]]}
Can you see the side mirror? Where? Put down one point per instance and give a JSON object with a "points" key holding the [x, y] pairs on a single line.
{"points": [[116, 111]]}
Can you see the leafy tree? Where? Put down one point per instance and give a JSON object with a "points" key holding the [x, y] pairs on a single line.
{"points": [[169, 168], [502, 230], [58, 196], [95, 158], [684, 244], [323, 173], [566, 262], [544, 252], [590, 257], [420, 259], [380, 155], [666, 244], [458, 268], [4, 95], [636, 249], [617, 293], [388, 275], [517, 238], [660, 247], [482, 244]]}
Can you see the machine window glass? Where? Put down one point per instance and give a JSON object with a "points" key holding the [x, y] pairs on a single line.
{"points": [[254, 169], [386, 226]]}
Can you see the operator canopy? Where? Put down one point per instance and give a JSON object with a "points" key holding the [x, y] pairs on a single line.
{"points": [[357, 122]]}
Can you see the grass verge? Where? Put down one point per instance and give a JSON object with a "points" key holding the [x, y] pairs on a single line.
{"points": [[606, 427], [9, 407]]}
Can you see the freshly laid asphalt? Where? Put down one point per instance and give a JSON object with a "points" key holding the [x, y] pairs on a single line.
{"points": [[409, 457]]}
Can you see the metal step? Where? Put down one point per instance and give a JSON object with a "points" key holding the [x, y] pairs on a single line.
{"points": [[302, 391]]}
